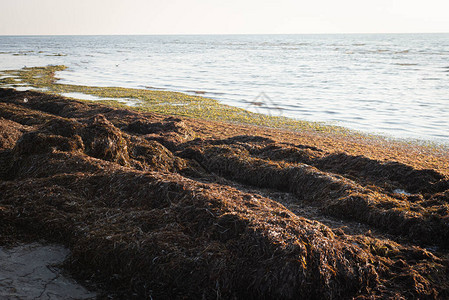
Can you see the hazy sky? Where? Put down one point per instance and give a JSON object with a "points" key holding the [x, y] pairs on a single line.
{"points": [[221, 16]]}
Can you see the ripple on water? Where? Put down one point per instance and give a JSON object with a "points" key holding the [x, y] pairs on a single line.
{"points": [[391, 71]]}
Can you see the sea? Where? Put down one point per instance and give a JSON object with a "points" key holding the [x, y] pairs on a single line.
{"points": [[395, 85]]}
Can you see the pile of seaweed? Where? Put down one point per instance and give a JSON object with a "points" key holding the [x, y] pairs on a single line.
{"points": [[150, 207]]}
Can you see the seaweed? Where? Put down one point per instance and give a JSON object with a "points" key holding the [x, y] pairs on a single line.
{"points": [[165, 102], [165, 207]]}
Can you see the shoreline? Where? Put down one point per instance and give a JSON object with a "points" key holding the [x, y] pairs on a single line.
{"points": [[405, 101], [154, 100], [171, 206], [182, 104]]}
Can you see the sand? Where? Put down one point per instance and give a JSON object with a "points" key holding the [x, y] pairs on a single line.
{"points": [[31, 271]]}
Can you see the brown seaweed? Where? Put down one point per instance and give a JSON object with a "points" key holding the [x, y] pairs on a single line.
{"points": [[162, 207]]}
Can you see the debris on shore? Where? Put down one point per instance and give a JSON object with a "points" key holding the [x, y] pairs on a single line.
{"points": [[164, 207]]}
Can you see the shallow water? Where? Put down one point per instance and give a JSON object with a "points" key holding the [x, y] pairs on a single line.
{"points": [[395, 84], [82, 96]]}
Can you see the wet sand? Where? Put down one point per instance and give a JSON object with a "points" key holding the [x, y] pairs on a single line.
{"points": [[31, 271]]}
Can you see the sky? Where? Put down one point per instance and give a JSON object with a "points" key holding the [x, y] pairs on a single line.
{"points": [[55, 17]]}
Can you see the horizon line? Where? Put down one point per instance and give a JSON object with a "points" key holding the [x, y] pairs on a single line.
{"points": [[206, 34]]}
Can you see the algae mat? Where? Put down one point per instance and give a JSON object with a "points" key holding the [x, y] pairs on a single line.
{"points": [[166, 102], [157, 206]]}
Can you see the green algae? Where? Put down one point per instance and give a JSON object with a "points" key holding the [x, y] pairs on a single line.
{"points": [[164, 102], [8, 80]]}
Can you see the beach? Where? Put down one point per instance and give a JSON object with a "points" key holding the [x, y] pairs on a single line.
{"points": [[156, 204]]}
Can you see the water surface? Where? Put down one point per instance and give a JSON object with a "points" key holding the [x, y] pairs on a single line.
{"points": [[392, 84]]}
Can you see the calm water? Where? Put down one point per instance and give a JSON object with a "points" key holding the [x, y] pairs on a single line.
{"points": [[396, 85]]}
